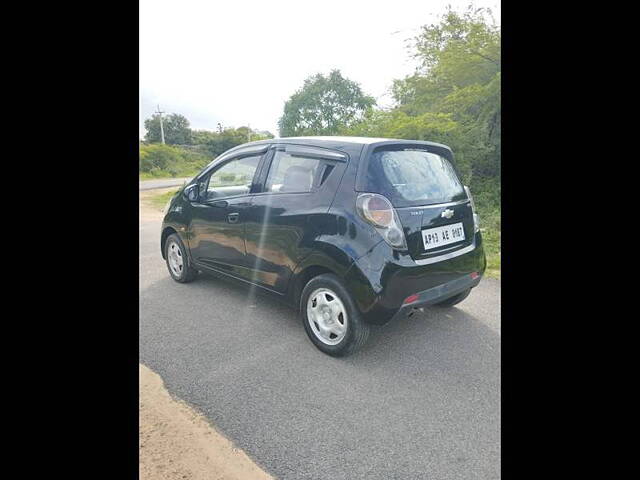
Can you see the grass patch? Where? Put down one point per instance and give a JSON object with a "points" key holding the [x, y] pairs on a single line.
{"points": [[491, 240], [186, 172], [490, 229], [159, 200]]}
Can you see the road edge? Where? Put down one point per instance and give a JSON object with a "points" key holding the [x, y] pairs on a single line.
{"points": [[178, 442]]}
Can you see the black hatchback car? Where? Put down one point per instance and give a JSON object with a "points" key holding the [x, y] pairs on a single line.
{"points": [[351, 231]]}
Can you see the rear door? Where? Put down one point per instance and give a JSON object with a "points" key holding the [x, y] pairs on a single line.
{"points": [[298, 184], [428, 195]]}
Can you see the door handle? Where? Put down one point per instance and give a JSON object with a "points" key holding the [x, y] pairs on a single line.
{"points": [[233, 217]]}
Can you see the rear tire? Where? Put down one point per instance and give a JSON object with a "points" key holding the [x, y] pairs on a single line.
{"points": [[330, 316], [450, 302], [177, 259]]}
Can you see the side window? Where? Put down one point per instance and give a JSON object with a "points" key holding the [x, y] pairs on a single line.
{"points": [[292, 174], [232, 179]]}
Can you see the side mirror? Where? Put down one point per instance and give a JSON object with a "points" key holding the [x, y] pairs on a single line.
{"points": [[192, 193]]}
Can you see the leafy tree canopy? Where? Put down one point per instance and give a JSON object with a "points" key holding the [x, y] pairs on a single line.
{"points": [[177, 132], [454, 95], [323, 106], [219, 142], [176, 129]]}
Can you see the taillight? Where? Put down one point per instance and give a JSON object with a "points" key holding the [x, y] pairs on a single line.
{"points": [[379, 212], [476, 217]]}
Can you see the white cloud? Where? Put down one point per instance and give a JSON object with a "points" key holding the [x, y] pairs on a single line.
{"points": [[238, 62]]}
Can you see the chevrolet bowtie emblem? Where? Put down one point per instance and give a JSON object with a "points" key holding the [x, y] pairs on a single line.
{"points": [[447, 213]]}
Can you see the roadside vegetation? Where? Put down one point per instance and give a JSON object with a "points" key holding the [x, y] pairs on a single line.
{"points": [[158, 161], [185, 151]]}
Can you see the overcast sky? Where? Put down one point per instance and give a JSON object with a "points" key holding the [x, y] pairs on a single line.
{"points": [[237, 62]]}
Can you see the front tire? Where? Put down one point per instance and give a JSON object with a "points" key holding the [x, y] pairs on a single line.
{"points": [[177, 259], [331, 318]]}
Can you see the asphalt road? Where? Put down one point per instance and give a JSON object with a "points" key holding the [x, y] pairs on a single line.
{"points": [[162, 183], [421, 400]]}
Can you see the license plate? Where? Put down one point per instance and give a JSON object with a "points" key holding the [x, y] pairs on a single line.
{"points": [[440, 236]]}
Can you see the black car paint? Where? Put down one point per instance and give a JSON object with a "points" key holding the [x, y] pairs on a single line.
{"points": [[279, 238]]}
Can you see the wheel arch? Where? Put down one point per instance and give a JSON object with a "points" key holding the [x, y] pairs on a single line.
{"points": [[313, 265], [166, 231]]}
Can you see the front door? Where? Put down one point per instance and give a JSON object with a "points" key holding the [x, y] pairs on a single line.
{"points": [[217, 230]]}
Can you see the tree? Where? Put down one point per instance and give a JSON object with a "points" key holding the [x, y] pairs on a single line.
{"points": [[228, 138], [176, 129], [324, 105], [459, 74], [201, 137], [221, 141], [453, 97]]}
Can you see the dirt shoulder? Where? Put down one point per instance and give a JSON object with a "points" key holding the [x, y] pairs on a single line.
{"points": [[178, 443], [149, 211]]}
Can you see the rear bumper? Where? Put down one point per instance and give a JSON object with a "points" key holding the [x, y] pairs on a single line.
{"points": [[382, 280], [438, 294]]}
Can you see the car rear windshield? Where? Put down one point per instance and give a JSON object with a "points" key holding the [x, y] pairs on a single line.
{"points": [[411, 177]]}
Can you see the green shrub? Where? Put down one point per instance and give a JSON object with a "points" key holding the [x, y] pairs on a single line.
{"points": [[145, 163], [164, 160], [158, 156]]}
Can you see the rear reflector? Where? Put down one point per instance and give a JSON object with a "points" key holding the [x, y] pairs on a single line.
{"points": [[410, 299], [474, 275]]}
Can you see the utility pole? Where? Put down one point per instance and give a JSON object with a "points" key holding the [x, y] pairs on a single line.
{"points": [[248, 132], [161, 127]]}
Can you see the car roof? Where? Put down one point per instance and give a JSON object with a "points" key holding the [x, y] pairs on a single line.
{"points": [[334, 141], [350, 145], [358, 140]]}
